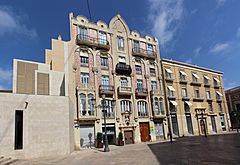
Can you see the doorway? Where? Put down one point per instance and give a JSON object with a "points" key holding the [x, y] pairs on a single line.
{"points": [[145, 132], [128, 137], [214, 128]]}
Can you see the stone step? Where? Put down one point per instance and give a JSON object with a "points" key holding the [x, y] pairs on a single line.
{"points": [[4, 160], [9, 162]]}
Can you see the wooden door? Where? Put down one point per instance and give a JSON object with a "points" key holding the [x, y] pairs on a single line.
{"points": [[128, 137], [144, 131]]}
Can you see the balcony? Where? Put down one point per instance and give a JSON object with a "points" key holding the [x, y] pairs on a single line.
{"points": [[87, 115], [158, 114], [98, 43], [183, 80], [197, 83], [197, 98], [156, 92], [142, 114], [185, 97], [207, 84], [169, 78], [124, 90], [219, 99], [171, 97], [106, 89], [209, 99], [142, 92], [143, 53], [123, 69]]}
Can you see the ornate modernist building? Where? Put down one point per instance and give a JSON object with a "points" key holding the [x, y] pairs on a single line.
{"points": [[113, 62]]}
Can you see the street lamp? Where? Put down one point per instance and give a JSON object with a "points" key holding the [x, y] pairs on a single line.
{"points": [[104, 106]]}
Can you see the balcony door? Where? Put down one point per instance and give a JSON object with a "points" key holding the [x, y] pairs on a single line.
{"points": [[105, 81], [102, 37], [139, 85], [83, 33]]}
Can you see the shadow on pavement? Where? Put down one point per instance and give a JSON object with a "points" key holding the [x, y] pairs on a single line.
{"points": [[219, 149]]}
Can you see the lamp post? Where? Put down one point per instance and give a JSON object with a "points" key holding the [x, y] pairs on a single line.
{"points": [[104, 106]]}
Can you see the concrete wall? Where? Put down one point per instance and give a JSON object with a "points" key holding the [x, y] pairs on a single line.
{"points": [[47, 125]]}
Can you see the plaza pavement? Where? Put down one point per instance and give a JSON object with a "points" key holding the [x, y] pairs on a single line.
{"points": [[217, 149]]}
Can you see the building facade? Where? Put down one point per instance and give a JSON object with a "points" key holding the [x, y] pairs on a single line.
{"points": [[144, 97], [113, 62], [195, 99], [233, 101]]}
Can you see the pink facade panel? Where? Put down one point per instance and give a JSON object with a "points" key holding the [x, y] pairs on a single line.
{"points": [[143, 75], [92, 33], [78, 71], [143, 45], [90, 65], [99, 75], [110, 67], [109, 41]]}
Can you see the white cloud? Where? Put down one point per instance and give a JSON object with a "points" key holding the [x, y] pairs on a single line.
{"points": [[220, 2], [219, 47], [238, 33], [197, 51], [189, 61], [165, 17], [11, 22], [5, 78]]}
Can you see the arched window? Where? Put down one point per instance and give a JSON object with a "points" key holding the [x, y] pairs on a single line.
{"points": [[126, 106], [142, 108], [161, 106], [90, 105], [82, 105]]}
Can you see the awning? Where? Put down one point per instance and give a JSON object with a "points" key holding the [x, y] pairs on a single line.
{"points": [[188, 103], [168, 70], [206, 77], [174, 103], [171, 88], [195, 75], [121, 59], [219, 93], [216, 80], [183, 73]]}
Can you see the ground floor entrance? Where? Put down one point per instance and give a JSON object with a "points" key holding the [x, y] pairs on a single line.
{"points": [[110, 133], [159, 130], [128, 137], [87, 136], [174, 124], [189, 123], [144, 131], [214, 127]]}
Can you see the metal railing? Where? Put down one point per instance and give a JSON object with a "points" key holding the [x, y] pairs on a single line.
{"points": [[84, 37], [137, 50]]}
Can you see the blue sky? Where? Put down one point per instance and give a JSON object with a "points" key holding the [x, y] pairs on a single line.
{"points": [[204, 33]]}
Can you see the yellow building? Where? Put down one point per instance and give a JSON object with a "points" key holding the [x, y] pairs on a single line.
{"points": [[195, 99]]}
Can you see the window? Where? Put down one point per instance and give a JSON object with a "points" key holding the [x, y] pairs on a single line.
{"points": [[182, 76], [82, 105], [194, 77], [142, 108], [120, 43], [84, 78], [84, 60], [102, 38], [170, 91], [218, 95], [139, 84], [208, 95], [123, 82], [206, 80], [222, 122], [105, 80], [184, 92], [126, 106], [168, 73], [154, 85], [152, 72], [136, 46], [186, 107], [83, 33], [156, 106], [90, 105], [138, 69], [109, 108], [216, 82], [219, 107], [197, 93], [104, 62], [161, 106], [149, 49], [210, 106]]}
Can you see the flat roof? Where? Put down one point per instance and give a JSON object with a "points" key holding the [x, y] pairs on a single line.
{"points": [[190, 65]]}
